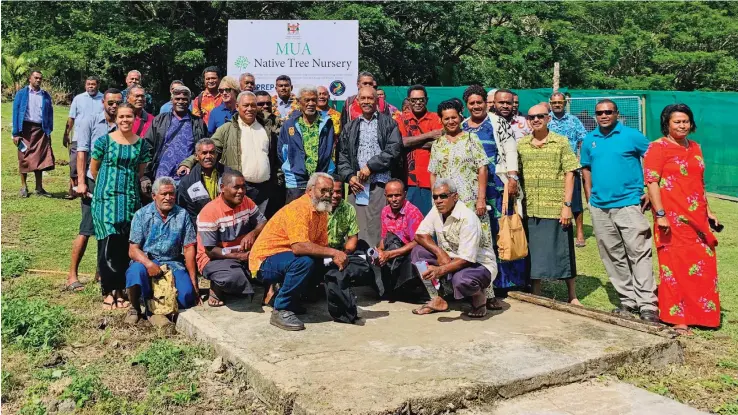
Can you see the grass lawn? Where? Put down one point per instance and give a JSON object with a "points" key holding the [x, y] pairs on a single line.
{"points": [[103, 365]]}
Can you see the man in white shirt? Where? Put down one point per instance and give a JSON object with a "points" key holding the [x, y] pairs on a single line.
{"points": [[460, 263]]}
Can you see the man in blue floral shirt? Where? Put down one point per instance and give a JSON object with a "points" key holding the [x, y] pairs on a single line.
{"points": [[572, 128], [160, 233]]}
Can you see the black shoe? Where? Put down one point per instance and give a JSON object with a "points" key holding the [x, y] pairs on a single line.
{"points": [[286, 320], [625, 312], [649, 316], [42, 192]]}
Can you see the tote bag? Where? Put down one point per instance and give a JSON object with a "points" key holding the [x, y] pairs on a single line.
{"points": [[511, 241]]}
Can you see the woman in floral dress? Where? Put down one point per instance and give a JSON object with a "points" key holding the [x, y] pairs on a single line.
{"points": [[458, 155], [674, 173], [502, 155]]}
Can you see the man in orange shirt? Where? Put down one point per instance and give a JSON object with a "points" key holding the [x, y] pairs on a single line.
{"points": [[419, 128], [210, 97], [291, 242]]}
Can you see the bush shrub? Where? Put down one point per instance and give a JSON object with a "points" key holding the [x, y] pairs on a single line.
{"points": [[33, 324], [86, 387], [14, 263]]}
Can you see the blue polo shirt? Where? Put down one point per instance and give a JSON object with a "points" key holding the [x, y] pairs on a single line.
{"points": [[84, 105], [615, 162]]}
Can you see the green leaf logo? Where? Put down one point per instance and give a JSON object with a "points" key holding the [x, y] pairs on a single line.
{"points": [[242, 62]]}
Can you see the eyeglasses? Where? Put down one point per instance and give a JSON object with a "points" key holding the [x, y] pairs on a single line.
{"points": [[262, 104], [111, 103], [417, 100], [442, 196], [537, 116], [557, 102], [224, 90], [606, 112]]}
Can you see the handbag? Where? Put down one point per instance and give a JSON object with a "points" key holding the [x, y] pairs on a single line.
{"points": [[511, 241], [164, 294]]}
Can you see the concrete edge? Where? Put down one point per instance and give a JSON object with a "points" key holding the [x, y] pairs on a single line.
{"points": [[192, 324], [662, 353]]}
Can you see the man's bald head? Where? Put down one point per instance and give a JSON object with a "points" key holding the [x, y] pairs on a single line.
{"points": [[538, 118]]}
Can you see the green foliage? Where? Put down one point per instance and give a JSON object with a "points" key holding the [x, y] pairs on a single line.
{"points": [[33, 324], [682, 46], [14, 263], [85, 387], [33, 406], [14, 71], [164, 357], [8, 385], [28, 287]]}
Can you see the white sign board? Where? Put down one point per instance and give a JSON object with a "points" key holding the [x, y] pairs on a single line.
{"points": [[310, 52]]}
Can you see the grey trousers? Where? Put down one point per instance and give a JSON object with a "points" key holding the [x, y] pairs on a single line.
{"points": [[624, 240], [369, 216]]}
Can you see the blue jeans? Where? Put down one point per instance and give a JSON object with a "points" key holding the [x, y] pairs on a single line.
{"points": [[137, 275], [292, 272]]}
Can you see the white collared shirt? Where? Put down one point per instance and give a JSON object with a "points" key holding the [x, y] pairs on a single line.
{"points": [[254, 152], [460, 236]]}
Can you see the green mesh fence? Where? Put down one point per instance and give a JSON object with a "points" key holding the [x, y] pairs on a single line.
{"points": [[714, 125]]}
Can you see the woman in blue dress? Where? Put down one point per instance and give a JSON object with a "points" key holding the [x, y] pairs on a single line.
{"points": [[499, 143]]}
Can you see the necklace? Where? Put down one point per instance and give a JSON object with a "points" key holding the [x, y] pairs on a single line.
{"points": [[684, 143]]}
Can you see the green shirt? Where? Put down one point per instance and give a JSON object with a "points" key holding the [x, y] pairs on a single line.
{"points": [[310, 141], [342, 224], [543, 172]]}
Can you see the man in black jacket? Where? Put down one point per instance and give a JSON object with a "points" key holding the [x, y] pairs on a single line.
{"points": [[369, 156], [172, 137], [202, 184]]}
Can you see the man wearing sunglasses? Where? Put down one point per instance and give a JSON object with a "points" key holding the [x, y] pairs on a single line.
{"points": [[87, 131], [460, 263], [263, 101], [221, 114], [613, 182], [572, 128]]}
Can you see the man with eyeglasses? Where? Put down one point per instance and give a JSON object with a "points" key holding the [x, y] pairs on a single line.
{"points": [[569, 126], [247, 82], [264, 102], [613, 183], [209, 98], [172, 137], [142, 119], [460, 263], [419, 129], [504, 107], [221, 114], [88, 130]]}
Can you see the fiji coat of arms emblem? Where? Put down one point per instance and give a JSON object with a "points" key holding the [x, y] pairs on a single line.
{"points": [[293, 28]]}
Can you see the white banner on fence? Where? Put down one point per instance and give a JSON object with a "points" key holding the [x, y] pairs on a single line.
{"points": [[310, 52]]}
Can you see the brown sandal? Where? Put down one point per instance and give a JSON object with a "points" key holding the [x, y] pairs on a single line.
{"points": [[418, 311], [474, 312]]}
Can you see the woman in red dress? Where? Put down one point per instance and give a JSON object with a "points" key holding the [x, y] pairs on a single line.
{"points": [[674, 173]]}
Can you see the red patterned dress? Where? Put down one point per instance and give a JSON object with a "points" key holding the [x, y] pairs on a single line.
{"points": [[688, 288]]}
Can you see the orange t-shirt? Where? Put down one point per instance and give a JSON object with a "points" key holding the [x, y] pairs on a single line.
{"points": [[297, 222]]}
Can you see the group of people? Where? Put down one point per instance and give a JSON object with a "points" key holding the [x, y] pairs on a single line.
{"points": [[242, 188]]}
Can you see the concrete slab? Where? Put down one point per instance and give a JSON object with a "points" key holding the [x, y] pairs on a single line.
{"points": [[395, 360], [586, 398]]}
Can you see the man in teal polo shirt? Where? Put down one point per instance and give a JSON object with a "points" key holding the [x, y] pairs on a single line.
{"points": [[613, 182]]}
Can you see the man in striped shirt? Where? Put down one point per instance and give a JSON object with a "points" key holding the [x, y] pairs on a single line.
{"points": [[226, 230]]}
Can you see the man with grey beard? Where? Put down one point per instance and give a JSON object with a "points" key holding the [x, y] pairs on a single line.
{"points": [[288, 248]]}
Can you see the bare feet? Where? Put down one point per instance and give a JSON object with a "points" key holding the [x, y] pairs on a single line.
{"points": [[213, 300], [683, 330], [575, 301]]}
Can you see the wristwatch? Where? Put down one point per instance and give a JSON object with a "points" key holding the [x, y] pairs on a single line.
{"points": [[567, 204], [660, 213], [513, 176]]}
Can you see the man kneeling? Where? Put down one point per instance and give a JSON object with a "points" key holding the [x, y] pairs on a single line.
{"points": [[160, 232], [460, 257], [292, 242]]}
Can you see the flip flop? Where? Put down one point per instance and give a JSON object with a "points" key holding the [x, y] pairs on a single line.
{"points": [[473, 312], [108, 305], [218, 301], [491, 305], [74, 287], [417, 311]]}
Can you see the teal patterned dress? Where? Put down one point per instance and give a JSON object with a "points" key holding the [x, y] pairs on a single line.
{"points": [[116, 196]]}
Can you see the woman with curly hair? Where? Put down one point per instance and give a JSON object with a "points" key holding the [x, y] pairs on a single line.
{"points": [[674, 173], [502, 154]]}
